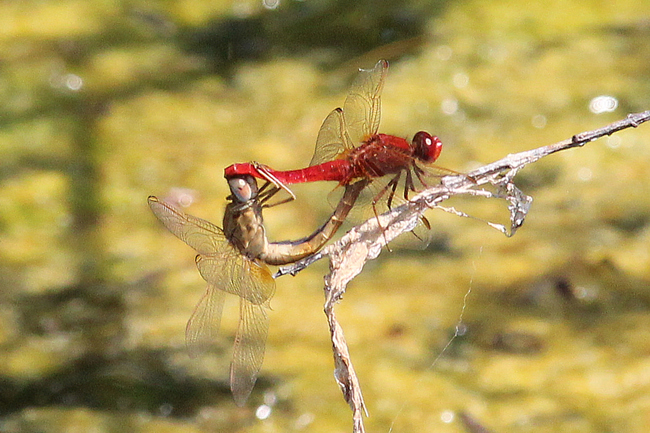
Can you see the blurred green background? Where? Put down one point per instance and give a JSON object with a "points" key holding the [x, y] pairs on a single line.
{"points": [[104, 103]]}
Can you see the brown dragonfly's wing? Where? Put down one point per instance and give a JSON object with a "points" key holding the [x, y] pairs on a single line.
{"points": [[236, 274], [250, 340], [206, 238], [248, 353], [227, 271], [251, 280], [203, 326], [332, 139], [362, 108], [202, 235]]}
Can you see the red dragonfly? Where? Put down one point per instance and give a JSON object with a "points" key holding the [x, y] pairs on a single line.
{"points": [[348, 146], [234, 260]]}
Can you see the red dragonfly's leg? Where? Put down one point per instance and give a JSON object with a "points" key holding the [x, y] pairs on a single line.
{"points": [[383, 230], [277, 186], [426, 223], [395, 181], [392, 185], [419, 172], [410, 185]]}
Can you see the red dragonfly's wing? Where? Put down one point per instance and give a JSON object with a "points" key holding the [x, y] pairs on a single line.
{"points": [[362, 108], [332, 139], [227, 271]]}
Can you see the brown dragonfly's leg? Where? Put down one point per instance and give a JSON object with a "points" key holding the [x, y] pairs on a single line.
{"points": [[277, 186]]}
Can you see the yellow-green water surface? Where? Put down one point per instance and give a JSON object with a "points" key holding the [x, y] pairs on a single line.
{"points": [[104, 103]]}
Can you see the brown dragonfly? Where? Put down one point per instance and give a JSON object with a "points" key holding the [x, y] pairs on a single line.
{"points": [[234, 260]]}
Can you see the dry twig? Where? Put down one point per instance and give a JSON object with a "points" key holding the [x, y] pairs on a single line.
{"points": [[365, 242]]}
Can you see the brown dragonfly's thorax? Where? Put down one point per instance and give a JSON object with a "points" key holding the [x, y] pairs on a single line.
{"points": [[380, 155], [244, 229]]}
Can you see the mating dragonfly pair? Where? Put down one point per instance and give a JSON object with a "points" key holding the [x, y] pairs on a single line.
{"points": [[234, 260]]}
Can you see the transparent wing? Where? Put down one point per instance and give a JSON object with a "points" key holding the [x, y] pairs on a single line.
{"points": [[253, 283], [203, 326], [202, 235], [362, 108], [206, 238], [332, 139], [250, 340], [227, 271], [432, 174], [248, 353]]}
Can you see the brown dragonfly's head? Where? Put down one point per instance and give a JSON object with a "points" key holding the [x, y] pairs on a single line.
{"points": [[243, 188], [426, 147]]}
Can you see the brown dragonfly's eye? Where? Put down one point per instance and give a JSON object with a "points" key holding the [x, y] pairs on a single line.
{"points": [[244, 188], [426, 147]]}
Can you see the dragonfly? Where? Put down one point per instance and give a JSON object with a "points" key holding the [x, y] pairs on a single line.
{"points": [[234, 260], [349, 147]]}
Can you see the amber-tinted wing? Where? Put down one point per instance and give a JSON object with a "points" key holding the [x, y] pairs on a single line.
{"points": [[235, 273], [362, 108], [332, 139]]}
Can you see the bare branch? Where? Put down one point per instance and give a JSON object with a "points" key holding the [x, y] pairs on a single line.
{"points": [[365, 242]]}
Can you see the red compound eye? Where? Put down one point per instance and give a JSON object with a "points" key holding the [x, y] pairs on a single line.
{"points": [[426, 147]]}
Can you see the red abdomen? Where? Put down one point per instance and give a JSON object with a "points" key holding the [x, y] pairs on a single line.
{"points": [[338, 170]]}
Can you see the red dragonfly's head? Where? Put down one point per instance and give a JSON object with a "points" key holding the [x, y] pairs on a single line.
{"points": [[426, 147]]}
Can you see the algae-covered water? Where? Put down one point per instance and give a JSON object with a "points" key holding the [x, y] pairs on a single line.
{"points": [[104, 103]]}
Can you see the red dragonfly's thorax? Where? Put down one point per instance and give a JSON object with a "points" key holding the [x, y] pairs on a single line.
{"points": [[379, 155]]}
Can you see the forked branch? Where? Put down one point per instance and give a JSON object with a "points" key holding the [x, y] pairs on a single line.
{"points": [[365, 242]]}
